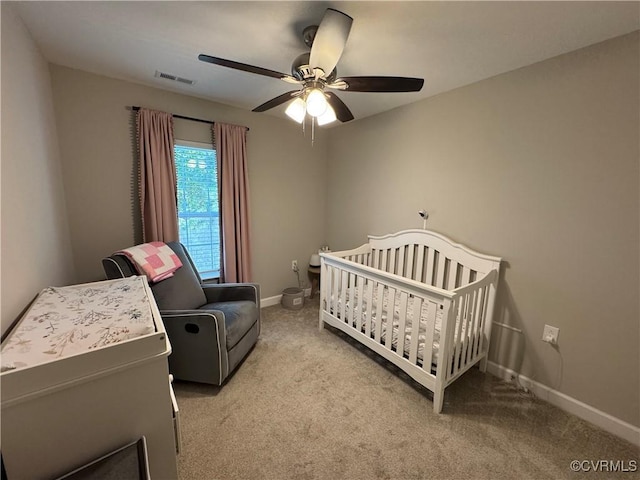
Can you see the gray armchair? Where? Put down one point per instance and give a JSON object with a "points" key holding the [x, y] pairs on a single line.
{"points": [[211, 327]]}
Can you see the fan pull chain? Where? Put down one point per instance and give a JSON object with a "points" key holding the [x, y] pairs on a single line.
{"points": [[313, 129]]}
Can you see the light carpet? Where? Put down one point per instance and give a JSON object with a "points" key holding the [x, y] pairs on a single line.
{"points": [[311, 404]]}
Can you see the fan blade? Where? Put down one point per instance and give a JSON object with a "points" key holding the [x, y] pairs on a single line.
{"points": [[378, 84], [342, 111], [279, 100], [330, 40], [246, 68]]}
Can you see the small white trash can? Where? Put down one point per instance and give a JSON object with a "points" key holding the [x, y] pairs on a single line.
{"points": [[293, 298]]}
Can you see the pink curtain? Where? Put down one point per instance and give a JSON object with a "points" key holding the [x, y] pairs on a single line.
{"points": [[157, 176], [231, 150]]}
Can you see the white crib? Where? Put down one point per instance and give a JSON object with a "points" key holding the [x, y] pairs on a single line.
{"points": [[416, 298]]}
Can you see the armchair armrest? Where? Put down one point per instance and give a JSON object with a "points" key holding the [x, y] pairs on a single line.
{"points": [[199, 344], [232, 292]]}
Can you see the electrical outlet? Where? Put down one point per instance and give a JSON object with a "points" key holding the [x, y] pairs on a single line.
{"points": [[294, 265], [550, 334]]}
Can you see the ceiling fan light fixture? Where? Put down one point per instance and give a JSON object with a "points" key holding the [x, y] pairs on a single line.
{"points": [[296, 110], [327, 117], [316, 102]]}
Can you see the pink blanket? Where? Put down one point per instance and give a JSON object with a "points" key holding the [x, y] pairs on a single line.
{"points": [[156, 260]]}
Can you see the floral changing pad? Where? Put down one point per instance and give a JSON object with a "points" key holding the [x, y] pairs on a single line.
{"points": [[65, 321]]}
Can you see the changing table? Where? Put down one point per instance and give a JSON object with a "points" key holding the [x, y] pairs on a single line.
{"points": [[85, 371]]}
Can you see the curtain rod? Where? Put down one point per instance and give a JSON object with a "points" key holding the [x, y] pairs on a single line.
{"points": [[210, 122]]}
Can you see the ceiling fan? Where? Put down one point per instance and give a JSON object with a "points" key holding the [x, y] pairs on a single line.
{"points": [[316, 75]]}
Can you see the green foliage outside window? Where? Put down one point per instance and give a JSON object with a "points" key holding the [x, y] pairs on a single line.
{"points": [[198, 206]]}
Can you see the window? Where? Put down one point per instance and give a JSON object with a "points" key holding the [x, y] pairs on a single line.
{"points": [[198, 205]]}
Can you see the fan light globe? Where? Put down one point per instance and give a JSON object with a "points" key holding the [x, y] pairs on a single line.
{"points": [[316, 103], [327, 117], [296, 110]]}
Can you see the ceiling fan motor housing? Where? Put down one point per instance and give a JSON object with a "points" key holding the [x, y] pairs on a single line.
{"points": [[301, 69]]}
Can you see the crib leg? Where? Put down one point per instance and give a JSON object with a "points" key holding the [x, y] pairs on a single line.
{"points": [[483, 364], [438, 398], [320, 325]]}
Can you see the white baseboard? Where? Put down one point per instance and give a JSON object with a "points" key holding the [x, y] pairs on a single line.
{"points": [[275, 300], [270, 301], [569, 404]]}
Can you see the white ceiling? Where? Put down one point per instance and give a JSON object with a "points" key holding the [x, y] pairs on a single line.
{"points": [[449, 44]]}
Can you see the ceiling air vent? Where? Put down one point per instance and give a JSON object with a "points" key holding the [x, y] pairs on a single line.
{"points": [[174, 78]]}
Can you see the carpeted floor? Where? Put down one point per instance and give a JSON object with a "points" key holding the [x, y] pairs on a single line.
{"points": [[310, 404]]}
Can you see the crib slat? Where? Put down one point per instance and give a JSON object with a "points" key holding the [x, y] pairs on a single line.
{"points": [[453, 273], [409, 266], [392, 260], [419, 273], [391, 307], [402, 322], [343, 295], [483, 319], [459, 314], [351, 299], [328, 278], [468, 329], [479, 329], [360, 297], [383, 261], [379, 302], [400, 267], [370, 313], [415, 330], [466, 276], [427, 354], [430, 266], [324, 283], [440, 275], [473, 314]]}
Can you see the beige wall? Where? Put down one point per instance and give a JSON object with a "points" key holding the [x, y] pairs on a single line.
{"points": [[287, 175], [36, 250], [539, 166]]}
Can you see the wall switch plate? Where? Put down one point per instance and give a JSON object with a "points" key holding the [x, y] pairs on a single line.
{"points": [[550, 334]]}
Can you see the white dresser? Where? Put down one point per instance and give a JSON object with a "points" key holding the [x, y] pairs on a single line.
{"points": [[84, 372]]}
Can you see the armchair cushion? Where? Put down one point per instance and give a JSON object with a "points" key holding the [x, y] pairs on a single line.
{"points": [[239, 317]]}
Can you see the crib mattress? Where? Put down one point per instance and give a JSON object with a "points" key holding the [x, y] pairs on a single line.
{"points": [[67, 321], [369, 314]]}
